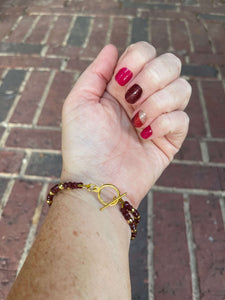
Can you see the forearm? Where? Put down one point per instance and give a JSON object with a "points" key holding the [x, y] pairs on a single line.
{"points": [[80, 253]]}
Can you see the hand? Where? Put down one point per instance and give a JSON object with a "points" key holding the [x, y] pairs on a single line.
{"points": [[100, 143]]}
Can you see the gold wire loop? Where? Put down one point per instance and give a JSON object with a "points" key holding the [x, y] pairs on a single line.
{"points": [[97, 189]]}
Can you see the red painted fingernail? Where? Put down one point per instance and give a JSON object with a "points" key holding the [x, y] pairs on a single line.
{"points": [[146, 133], [139, 119], [133, 94], [123, 76]]}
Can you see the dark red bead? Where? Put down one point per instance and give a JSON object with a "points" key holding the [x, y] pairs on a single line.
{"points": [[65, 185], [136, 214], [123, 210], [127, 205], [50, 197], [55, 189], [74, 185], [133, 235], [132, 226], [136, 221]]}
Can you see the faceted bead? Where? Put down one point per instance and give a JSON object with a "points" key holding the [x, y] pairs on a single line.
{"points": [[132, 226], [127, 216], [127, 205], [80, 185], [65, 185], [55, 189], [50, 197], [137, 221], [136, 214], [133, 235], [74, 185]]}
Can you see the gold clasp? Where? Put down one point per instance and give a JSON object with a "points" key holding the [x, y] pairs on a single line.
{"points": [[94, 188]]}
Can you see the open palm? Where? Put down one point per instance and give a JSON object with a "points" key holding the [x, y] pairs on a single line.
{"points": [[99, 142]]}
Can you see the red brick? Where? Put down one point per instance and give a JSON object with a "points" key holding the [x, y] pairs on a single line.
{"points": [[208, 231], [14, 227], [190, 150], [6, 25], [171, 259], [67, 51], [216, 33], [30, 98], [194, 110], [51, 113], [191, 176], [160, 39], [199, 37], [206, 58], [78, 64], [40, 30], [119, 32], [27, 61], [180, 39], [34, 139], [59, 30], [97, 39], [10, 161], [214, 97], [19, 33], [216, 151]]}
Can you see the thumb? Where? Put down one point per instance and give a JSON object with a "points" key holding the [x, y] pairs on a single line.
{"points": [[92, 83]]}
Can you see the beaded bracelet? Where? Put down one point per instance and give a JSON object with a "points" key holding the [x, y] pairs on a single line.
{"points": [[130, 214]]}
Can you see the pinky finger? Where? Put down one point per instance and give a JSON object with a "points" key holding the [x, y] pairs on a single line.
{"points": [[172, 126]]}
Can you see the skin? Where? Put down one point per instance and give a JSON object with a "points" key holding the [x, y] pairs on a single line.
{"points": [[81, 252]]}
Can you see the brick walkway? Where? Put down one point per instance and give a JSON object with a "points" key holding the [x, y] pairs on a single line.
{"points": [[180, 251]]}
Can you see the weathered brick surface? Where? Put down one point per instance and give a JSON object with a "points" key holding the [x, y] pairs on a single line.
{"points": [[171, 259], [191, 176], [45, 164], [29, 101], [51, 113], [14, 227], [208, 230], [10, 161], [34, 139], [9, 90], [44, 46]]}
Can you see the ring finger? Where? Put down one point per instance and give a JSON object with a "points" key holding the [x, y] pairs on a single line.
{"points": [[174, 96]]}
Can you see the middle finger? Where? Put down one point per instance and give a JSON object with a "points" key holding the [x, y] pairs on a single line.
{"points": [[156, 74]]}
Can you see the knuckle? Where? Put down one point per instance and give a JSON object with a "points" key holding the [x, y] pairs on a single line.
{"points": [[173, 58]]}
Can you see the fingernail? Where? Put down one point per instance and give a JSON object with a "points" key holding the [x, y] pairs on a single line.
{"points": [[139, 119], [123, 76], [133, 94], [146, 133]]}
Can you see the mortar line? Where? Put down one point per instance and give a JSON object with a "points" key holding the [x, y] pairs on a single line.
{"points": [[64, 43], [150, 247], [168, 28], [30, 126], [188, 191], [109, 32], [198, 163], [28, 34], [5, 197], [13, 28], [50, 27], [33, 228], [204, 151], [192, 48], [191, 249], [89, 33], [18, 96], [204, 109], [25, 163], [43, 98], [222, 207]]}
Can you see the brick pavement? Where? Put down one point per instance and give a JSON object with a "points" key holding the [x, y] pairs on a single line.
{"points": [[44, 45]]}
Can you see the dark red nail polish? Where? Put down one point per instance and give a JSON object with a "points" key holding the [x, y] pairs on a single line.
{"points": [[133, 94], [146, 133], [139, 119], [123, 76]]}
